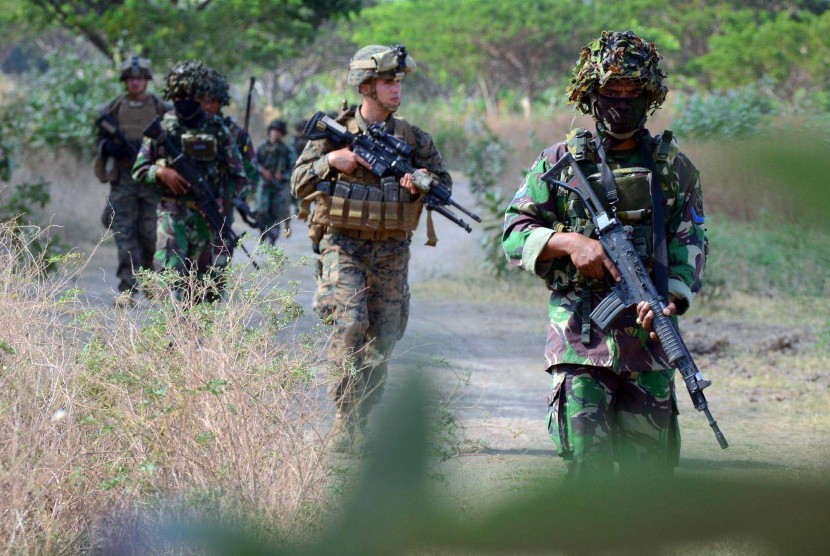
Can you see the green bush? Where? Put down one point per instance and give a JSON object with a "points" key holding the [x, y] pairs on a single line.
{"points": [[58, 107], [735, 113]]}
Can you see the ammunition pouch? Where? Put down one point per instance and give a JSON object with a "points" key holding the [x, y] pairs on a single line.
{"points": [[361, 212], [199, 146], [633, 206]]}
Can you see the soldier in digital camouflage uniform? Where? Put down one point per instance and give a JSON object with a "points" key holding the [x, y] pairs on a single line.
{"points": [[217, 96], [131, 206], [613, 394], [362, 284], [273, 200], [185, 241]]}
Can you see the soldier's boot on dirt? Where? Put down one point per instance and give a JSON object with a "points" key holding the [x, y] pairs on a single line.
{"points": [[348, 434]]}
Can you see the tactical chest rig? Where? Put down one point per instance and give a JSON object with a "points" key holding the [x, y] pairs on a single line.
{"points": [[362, 205], [633, 195]]}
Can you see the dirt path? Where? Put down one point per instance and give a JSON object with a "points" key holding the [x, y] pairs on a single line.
{"points": [[486, 353]]}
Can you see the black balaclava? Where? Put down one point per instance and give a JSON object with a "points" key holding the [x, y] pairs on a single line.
{"points": [[189, 111], [620, 118]]}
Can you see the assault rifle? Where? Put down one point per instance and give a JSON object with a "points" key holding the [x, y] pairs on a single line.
{"points": [[198, 186], [107, 124], [388, 155], [635, 286]]}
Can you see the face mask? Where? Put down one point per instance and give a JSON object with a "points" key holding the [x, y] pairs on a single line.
{"points": [[186, 109], [622, 115]]}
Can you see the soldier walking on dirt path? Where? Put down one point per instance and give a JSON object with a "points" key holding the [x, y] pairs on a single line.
{"points": [[131, 207], [216, 97], [273, 198], [613, 397], [186, 242], [362, 286]]}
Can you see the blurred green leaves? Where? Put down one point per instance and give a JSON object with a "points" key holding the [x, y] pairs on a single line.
{"points": [[390, 509]]}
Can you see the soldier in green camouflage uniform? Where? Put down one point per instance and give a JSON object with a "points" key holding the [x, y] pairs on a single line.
{"points": [[131, 206], [217, 96], [362, 284], [273, 199], [613, 392], [185, 241]]}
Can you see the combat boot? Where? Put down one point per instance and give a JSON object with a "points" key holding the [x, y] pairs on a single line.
{"points": [[347, 437]]}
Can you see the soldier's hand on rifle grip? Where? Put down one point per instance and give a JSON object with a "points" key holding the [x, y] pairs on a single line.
{"points": [[172, 179], [408, 184], [346, 161], [645, 316], [589, 257]]}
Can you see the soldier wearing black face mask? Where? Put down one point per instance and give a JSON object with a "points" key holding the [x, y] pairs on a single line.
{"points": [[612, 398]]}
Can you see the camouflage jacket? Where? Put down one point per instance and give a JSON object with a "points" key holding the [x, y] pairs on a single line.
{"points": [[277, 158], [243, 142], [537, 212], [223, 171], [312, 166]]}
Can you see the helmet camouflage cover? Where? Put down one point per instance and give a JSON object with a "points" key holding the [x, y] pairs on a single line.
{"points": [[218, 88], [188, 78], [373, 61], [135, 66], [617, 55]]}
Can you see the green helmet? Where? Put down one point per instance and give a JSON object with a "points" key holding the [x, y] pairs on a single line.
{"points": [[373, 61], [135, 66], [188, 78], [279, 125], [218, 88], [617, 55]]}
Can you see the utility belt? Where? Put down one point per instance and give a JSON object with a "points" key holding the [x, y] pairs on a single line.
{"points": [[365, 211]]}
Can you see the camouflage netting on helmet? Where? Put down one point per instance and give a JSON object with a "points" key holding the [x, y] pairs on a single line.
{"points": [[218, 88], [188, 78], [376, 60], [617, 55]]}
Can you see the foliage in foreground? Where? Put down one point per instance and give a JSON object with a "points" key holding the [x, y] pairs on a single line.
{"points": [[184, 407], [391, 510]]}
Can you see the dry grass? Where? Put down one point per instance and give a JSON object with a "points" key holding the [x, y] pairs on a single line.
{"points": [[109, 416]]}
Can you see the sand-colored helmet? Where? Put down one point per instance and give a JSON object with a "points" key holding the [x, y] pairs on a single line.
{"points": [[135, 66], [617, 55], [373, 61], [187, 78]]}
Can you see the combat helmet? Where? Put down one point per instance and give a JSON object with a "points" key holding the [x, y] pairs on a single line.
{"points": [[187, 78], [218, 88], [617, 55], [373, 61], [279, 125], [135, 66]]}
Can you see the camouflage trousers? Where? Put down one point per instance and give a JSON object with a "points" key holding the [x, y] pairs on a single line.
{"points": [[131, 213], [362, 291], [186, 243], [273, 206], [597, 417]]}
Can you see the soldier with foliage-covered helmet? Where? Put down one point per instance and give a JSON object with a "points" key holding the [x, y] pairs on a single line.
{"points": [[612, 398], [362, 231], [130, 210], [185, 240], [214, 100]]}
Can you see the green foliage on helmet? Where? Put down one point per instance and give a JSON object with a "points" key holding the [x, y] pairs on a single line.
{"points": [[377, 61], [135, 66], [187, 78], [617, 55], [218, 88]]}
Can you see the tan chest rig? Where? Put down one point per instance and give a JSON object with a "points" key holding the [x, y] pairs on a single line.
{"points": [[364, 206], [133, 116]]}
